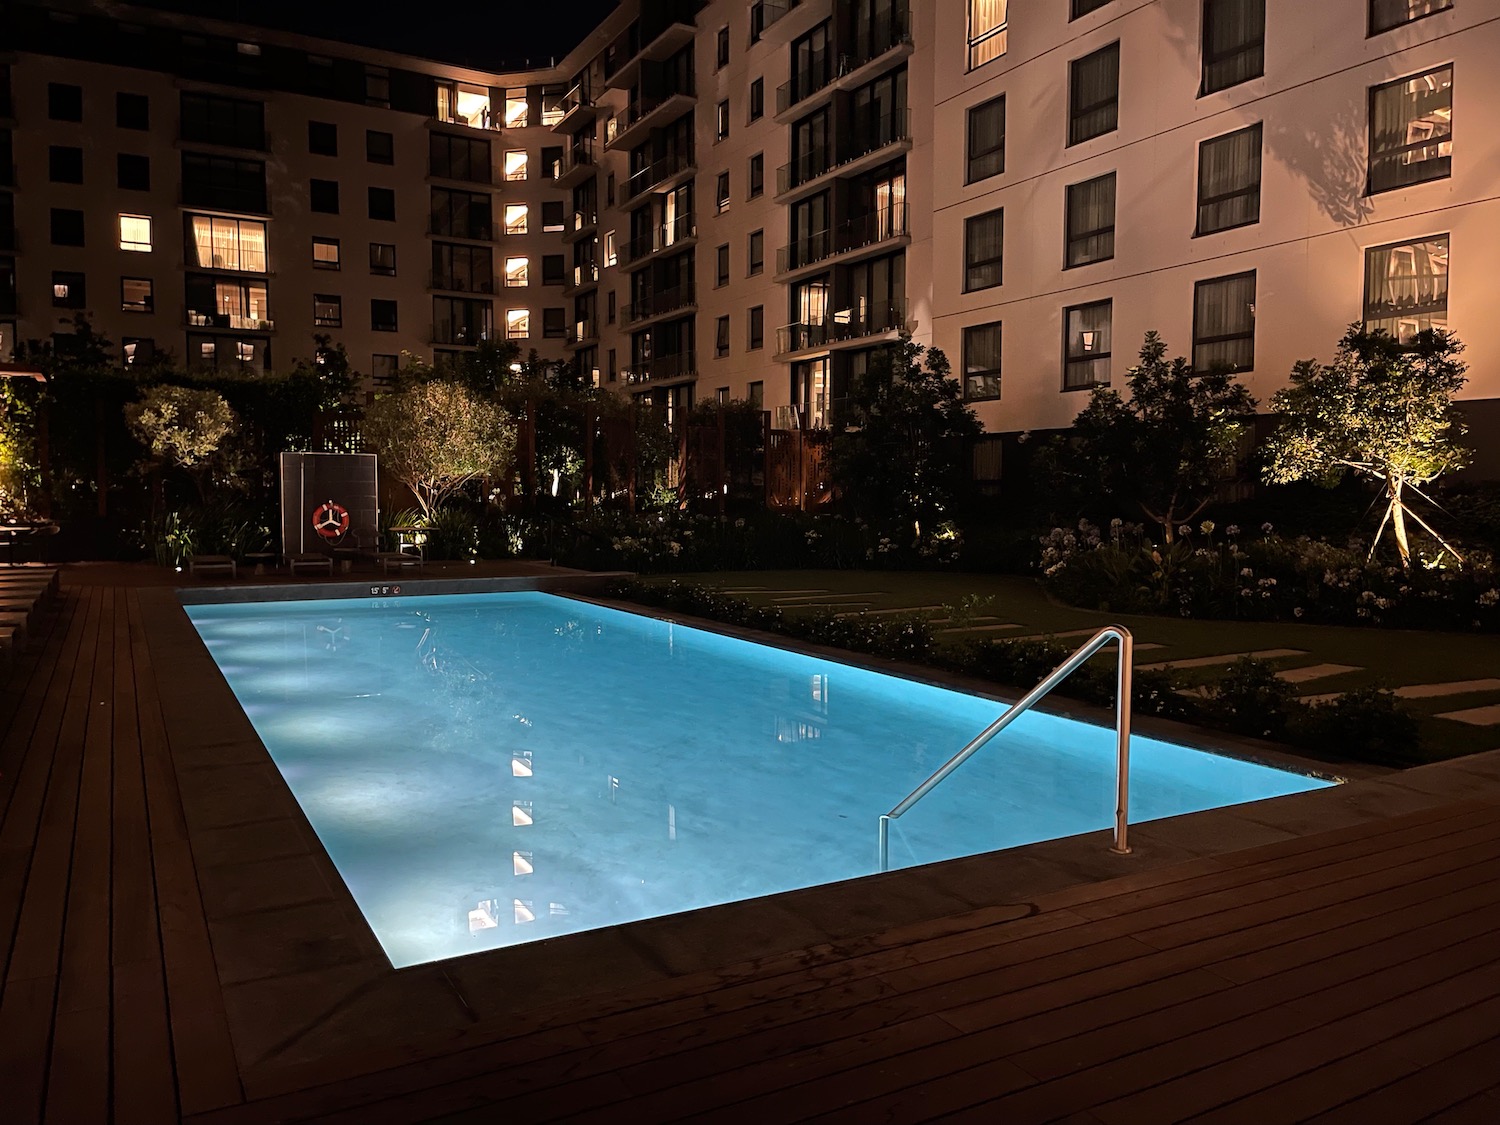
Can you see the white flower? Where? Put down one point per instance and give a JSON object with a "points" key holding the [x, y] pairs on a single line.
{"points": [[1267, 528], [1297, 612], [1246, 572], [1232, 530]]}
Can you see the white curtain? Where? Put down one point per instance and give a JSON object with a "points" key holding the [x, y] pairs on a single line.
{"points": [[1224, 323], [1229, 180], [987, 30], [1091, 221]]}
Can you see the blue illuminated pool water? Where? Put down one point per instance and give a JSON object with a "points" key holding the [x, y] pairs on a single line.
{"points": [[490, 769]]}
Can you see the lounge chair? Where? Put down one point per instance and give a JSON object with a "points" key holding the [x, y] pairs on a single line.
{"points": [[213, 564], [411, 556], [311, 560]]}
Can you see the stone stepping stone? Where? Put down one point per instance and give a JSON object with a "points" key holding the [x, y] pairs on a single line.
{"points": [[981, 628], [1476, 716], [1227, 658], [825, 598], [1315, 672], [1455, 687], [898, 609]]}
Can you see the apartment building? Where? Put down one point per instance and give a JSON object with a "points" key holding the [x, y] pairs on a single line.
{"points": [[715, 200]]}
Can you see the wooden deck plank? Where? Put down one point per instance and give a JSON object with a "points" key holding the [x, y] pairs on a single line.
{"points": [[1458, 1088]]}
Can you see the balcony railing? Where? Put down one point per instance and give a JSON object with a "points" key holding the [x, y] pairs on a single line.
{"points": [[585, 274], [479, 232], [847, 324], [662, 237], [858, 139], [867, 230], [573, 163], [659, 304], [889, 32], [661, 368], [581, 331], [767, 12], [656, 173], [578, 98], [457, 283], [464, 335], [235, 321], [805, 82]]}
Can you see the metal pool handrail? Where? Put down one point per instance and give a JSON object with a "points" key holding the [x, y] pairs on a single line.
{"points": [[1122, 736]]}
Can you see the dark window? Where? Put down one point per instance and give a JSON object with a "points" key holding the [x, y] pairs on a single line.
{"points": [[609, 307], [459, 158], [554, 269], [468, 269], [211, 119], [721, 269], [383, 368], [1411, 130], [383, 258], [328, 310], [609, 189], [1094, 94], [322, 138], [324, 196], [377, 86], [460, 214], [67, 227], [1234, 42], [325, 253], [721, 49], [757, 174], [757, 99], [1386, 14], [1224, 323], [132, 111], [64, 164], [1091, 221], [382, 315], [987, 139], [380, 148], [383, 204], [136, 349], [554, 323], [64, 102], [757, 253], [982, 361], [1084, 7], [756, 338], [1229, 181], [135, 294], [1406, 287], [984, 247], [1086, 345], [721, 337], [554, 215], [68, 291], [721, 192], [721, 121], [133, 172], [223, 182]]}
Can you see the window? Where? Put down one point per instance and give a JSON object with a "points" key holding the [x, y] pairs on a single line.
{"points": [[383, 367], [132, 111], [1086, 346], [1234, 42], [721, 121], [757, 334], [721, 192], [757, 174], [1411, 130], [757, 256], [755, 394], [328, 311], [1406, 287], [1224, 323], [515, 164], [133, 172], [517, 324], [68, 291], [609, 307], [554, 324], [552, 157], [986, 139], [383, 204], [1094, 94], [987, 31], [721, 49], [64, 102], [324, 196], [223, 182], [135, 294], [757, 99], [135, 348], [383, 258], [64, 164], [1386, 14], [721, 337], [515, 218], [517, 271], [982, 361], [516, 109], [1084, 7], [554, 215], [217, 120], [609, 190], [226, 244], [1091, 221], [1229, 181], [322, 138], [216, 302], [377, 86], [325, 253], [554, 269], [984, 245], [610, 365], [67, 227], [458, 158], [469, 269], [382, 315], [135, 233], [721, 269], [459, 214], [380, 148]]}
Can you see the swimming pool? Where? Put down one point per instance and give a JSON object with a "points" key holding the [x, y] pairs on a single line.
{"points": [[489, 769]]}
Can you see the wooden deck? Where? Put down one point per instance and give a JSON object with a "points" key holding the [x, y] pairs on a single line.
{"points": [[1345, 974]]}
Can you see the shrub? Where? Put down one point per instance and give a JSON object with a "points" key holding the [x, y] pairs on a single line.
{"points": [[1365, 724], [1250, 699]]}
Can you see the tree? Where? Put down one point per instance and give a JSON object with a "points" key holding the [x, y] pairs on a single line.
{"points": [[900, 453], [1168, 447], [437, 436], [1383, 410], [185, 428]]}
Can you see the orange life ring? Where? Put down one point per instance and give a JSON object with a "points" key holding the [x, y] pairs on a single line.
{"points": [[330, 520]]}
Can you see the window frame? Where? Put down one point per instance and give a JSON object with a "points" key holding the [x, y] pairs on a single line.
{"points": [[381, 304], [381, 270], [1069, 360], [978, 44], [1077, 9], [755, 328], [1375, 92], [1070, 236], [1198, 229], [970, 154], [1365, 307], [372, 156], [332, 301], [1075, 111], [1204, 62], [996, 372], [1371, 30], [135, 246], [149, 306], [315, 187], [971, 263], [1198, 340], [721, 265], [316, 137], [721, 336]]}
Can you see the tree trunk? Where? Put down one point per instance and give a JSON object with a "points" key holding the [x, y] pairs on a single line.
{"points": [[1398, 521]]}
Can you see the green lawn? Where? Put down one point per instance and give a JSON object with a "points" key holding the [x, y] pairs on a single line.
{"points": [[1385, 657]]}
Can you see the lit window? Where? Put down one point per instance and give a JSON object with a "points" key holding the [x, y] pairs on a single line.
{"points": [[1411, 130], [515, 218], [552, 104], [1386, 14], [326, 253], [515, 109], [206, 351], [135, 294], [610, 257], [244, 350], [721, 121], [227, 244], [517, 324], [1224, 323], [1406, 287], [987, 30], [515, 164], [722, 191], [516, 271], [982, 361], [135, 233], [1087, 330]]}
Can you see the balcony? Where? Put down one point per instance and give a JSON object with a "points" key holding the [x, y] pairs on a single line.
{"points": [[841, 327], [582, 332], [582, 277], [233, 321], [474, 231], [577, 110], [662, 369], [658, 306], [665, 173], [679, 234], [670, 28], [579, 225], [859, 146], [868, 233], [890, 35], [462, 335], [576, 165], [764, 14], [455, 283], [632, 124], [804, 83]]}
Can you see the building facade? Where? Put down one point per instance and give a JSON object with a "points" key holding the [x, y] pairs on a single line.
{"points": [[728, 201]]}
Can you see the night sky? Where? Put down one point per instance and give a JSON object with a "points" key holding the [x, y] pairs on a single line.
{"points": [[487, 34]]}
